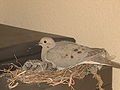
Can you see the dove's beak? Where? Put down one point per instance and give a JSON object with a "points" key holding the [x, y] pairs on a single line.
{"points": [[40, 44]]}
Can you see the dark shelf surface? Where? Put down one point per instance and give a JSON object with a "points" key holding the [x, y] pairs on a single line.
{"points": [[10, 35]]}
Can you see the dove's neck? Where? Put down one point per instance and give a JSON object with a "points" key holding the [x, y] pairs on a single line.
{"points": [[45, 50], [43, 54]]}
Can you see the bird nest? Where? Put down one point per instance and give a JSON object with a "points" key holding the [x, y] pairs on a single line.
{"points": [[53, 78]]}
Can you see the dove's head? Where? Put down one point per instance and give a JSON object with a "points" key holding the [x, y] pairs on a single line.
{"points": [[47, 43]]}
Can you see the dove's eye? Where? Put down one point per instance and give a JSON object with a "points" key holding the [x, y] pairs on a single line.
{"points": [[45, 41]]}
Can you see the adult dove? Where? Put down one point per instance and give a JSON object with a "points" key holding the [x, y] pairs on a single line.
{"points": [[66, 54]]}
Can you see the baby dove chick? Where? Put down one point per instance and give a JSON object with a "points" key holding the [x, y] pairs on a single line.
{"points": [[37, 66]]}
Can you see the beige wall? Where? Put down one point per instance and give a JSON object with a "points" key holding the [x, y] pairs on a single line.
{"points": [[94, 23]]}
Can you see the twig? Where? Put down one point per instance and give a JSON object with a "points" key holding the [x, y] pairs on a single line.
{"points": [[100, 82]]}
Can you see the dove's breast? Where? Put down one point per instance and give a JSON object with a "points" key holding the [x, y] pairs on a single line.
{"points": [[66, 54]]}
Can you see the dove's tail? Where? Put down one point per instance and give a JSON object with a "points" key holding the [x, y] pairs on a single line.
{"points": [[106, 61], [114, 64]]}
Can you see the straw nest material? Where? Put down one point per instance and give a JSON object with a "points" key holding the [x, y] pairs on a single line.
{"points": [[65, 76]]}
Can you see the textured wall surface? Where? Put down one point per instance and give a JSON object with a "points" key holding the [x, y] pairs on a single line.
{"points": [[95, 23]]}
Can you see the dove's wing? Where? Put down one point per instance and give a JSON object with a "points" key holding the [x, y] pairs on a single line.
{"points": [[66, 54], [100, 56]]}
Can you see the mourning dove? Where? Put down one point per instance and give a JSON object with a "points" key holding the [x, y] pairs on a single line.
{"points": [[65, 54]]}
